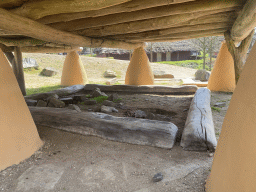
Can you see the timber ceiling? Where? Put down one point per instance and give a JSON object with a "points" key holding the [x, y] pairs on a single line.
{"points": [[51, 25]]}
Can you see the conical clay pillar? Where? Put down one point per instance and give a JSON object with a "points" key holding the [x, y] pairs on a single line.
{"points": [[19, 138], [223, 74], [139, 71], [234, 167], [73, 72]]}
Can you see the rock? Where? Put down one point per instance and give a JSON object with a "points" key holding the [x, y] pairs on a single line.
{"points": [[97, 109], [49, 72], [113, 97], [210, 154], [220, 104], [31, 102], [41, 103], [158, 177], [74, 107], [80, 98], [106, 109], [30, 63], [198, 133], [108, 103], [98, 93], [67, 100], [52, 96], [162, 74], [109, 73], [150, 116], [202, 75], [111, 81], [89, 102], [140, 114], [53, 102]]}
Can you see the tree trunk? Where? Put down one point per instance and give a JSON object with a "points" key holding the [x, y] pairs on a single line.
{"points": [[238, 53]]}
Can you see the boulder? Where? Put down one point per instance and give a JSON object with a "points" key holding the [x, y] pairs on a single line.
{"points": [[98, 93], [113, 97], [140, 114], [109, 73], [31, 102], [30, 63], [41, 103], [111, 81], [49, 72], [67, 100], [53, 102], [198, 133], [162, 74], [202, 75]]}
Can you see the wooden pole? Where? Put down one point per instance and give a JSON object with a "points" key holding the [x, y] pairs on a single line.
{"points": [[18, 69]]}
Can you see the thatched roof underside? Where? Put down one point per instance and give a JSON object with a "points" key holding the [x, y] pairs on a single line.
{"points": [[46, 25]]}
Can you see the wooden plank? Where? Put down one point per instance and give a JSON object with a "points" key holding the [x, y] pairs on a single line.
{"points": [[146, 25], [42, 8], [18, 69], [130, 6], [191, 7], [122, 129], [245, 22], [21, 42], [43, 49], [156, 89], [30, 28]]}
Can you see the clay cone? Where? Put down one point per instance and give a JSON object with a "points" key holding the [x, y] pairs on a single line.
{"points": [[139, 71], [73, 72], [223, 74], [234, 164], [19, 138]]}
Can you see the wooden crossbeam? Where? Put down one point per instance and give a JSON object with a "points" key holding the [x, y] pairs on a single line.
{"points": [[156, 12], [46, 49], [154, 24], [245, 22], [130, 6], [30, 28], [42, 8]]}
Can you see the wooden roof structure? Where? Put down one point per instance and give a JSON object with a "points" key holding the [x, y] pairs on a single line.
{"points": [[62, 25]]}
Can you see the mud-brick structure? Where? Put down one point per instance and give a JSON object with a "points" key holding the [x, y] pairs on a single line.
{"points": [[65, 25]]}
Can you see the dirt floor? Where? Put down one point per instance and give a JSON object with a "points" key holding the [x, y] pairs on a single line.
{"points": [[73, 162]]}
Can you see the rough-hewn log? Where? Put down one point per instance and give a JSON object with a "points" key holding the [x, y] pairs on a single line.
{"points": [[192, 7], [123, 129], [5, 48], [130, 6], [28, 27], [45, 49], [18, 69], [60, 92], [5, 33], [238, 53], [245, 22], [156, 89], [21, 42], [146, 25], [42, 8], [169, 32], [187, 35]]}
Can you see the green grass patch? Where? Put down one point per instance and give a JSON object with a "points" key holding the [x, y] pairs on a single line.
{"points": [[44, 89], [100, 99], [32, 71], [216, 109]]}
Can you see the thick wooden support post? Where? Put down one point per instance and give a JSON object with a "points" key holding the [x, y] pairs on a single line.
{"points": [[19, 138], [234, 165], [238, 53], [139, 71], [73, 72], [18, 69], [223, 74]]}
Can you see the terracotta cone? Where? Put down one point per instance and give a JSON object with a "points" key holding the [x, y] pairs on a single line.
{"points": [[223, 74], [139, 71], [19, 138], [234, 167], [73, 72]]}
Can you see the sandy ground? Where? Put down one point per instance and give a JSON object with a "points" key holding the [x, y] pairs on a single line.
{"points": [[73, 162]]}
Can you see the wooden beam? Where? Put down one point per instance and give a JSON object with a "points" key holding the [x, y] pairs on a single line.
{"points": [[238, 53], [151, 24], [130, 6], [174, 30], [245, 22], [30, 28], [11, 3], [45, 49], [156, 12], [18, 69], [5, 48], [42, 8], [21, 42]]}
